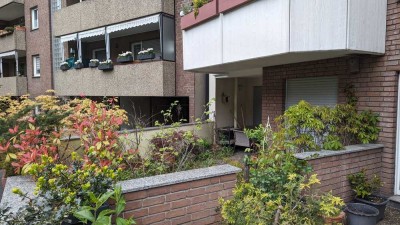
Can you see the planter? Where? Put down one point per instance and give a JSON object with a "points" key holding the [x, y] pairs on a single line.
{"points": [[361, 214], [105, 67], [125, 59], [226, 5], [206, 12], [78, 66], [381, 206], [146, 56], [335, 220], [20, 28], [64, 67], [93, 64]]}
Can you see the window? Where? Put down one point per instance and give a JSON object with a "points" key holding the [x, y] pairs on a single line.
{"points": [[321, 91], [35, 18], [136, 48], [36, 66], [100, 54]]}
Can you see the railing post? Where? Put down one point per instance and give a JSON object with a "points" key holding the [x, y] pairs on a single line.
{"points": [[16, 64], [1, 67]]}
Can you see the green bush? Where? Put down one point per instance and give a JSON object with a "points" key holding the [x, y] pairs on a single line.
{"points": [[312, 128], [362, 185]]}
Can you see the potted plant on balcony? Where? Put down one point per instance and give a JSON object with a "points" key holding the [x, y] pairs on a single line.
{"points": [[365, 190], [64, 66], [125, 57], [106, 65], [146, 54], [9, 30], [78, 64], [20, 28], [94, 63]]}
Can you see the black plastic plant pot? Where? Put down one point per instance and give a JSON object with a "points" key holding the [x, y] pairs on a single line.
{"points": [[361, 214], [106, 67], [381, 206], [79, 66], [146, 56], [125, 59], [93, 64], [64, 67]]}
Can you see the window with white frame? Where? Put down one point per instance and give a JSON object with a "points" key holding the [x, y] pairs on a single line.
{"points": [[36, 66], [35, 18]]}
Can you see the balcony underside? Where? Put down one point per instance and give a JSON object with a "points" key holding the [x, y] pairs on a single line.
{"points": [[11, 9], [285, 31], [139, 79]]}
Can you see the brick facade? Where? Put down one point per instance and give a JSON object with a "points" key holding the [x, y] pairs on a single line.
{"points": [[375, 86], [185, 81], [333, 170], [38, 42], [194, 202]]}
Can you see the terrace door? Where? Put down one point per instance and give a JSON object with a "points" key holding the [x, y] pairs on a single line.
{"points": [[257, 106]]}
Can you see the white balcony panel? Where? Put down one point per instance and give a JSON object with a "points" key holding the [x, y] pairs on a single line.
{"points": [[205, 44], [259, 29], [276, 32], [317, 25], [367, 25]]}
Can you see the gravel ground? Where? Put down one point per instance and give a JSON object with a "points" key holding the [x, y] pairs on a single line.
{"points": [[392, 217]]}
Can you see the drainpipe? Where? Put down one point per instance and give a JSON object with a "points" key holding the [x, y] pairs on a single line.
{"points": [[397, 166], [1, 67]]}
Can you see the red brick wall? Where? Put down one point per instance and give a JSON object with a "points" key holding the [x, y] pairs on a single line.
{"points": [[375, 84], [194, 202], [185, 82], [332, 171], [38, 42]]}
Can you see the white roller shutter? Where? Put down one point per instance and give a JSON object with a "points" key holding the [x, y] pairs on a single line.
{"points": [[321, 91]]}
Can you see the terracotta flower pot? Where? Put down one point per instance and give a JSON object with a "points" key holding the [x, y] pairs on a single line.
{"points": [[335, 220]]}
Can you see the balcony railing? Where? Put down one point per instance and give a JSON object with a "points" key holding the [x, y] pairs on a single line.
{"points": [[92, 14], [14, 86], [13, 42], [155, 78]]}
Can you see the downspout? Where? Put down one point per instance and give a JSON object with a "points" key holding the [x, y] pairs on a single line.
{"points": [[397, 165], [52, 43]]}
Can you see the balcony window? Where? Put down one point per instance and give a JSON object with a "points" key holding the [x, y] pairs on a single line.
{"points": [[12, 64], [35, 18], [156, 32]]}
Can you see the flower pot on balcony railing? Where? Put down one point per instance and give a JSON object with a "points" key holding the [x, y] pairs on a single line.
{"points": [[94, 63], [147, 54], [125, 57], [200, 14], [106, 65], [78, 65], [64, 66]]}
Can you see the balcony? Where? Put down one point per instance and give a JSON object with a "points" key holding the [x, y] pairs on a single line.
{"points": [[11, 9], [91, 14], [249, 34], [156, 78], [14, 86], [13, 42]]}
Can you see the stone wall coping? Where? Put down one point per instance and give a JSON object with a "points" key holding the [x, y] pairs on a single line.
{"points": [[27, 184], [328, 153], [176, 178]]}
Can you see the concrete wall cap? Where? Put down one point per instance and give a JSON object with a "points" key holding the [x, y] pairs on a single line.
{"points": [[328, 153]]}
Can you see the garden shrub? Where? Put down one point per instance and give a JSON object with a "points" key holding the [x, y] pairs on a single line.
{"points": [[312, 128], [281, 190]]}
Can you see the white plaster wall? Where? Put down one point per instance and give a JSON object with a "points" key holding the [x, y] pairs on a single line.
{"points": [[203, 45], [256, 30], [318, 25], [225, 110]]}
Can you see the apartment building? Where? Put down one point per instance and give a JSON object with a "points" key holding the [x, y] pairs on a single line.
{"points": [[13, 49], [76, 32], [277, 52]]}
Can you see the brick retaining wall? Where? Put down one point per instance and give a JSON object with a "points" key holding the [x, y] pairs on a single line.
{"points": [[333, 167], [189, 197]]}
